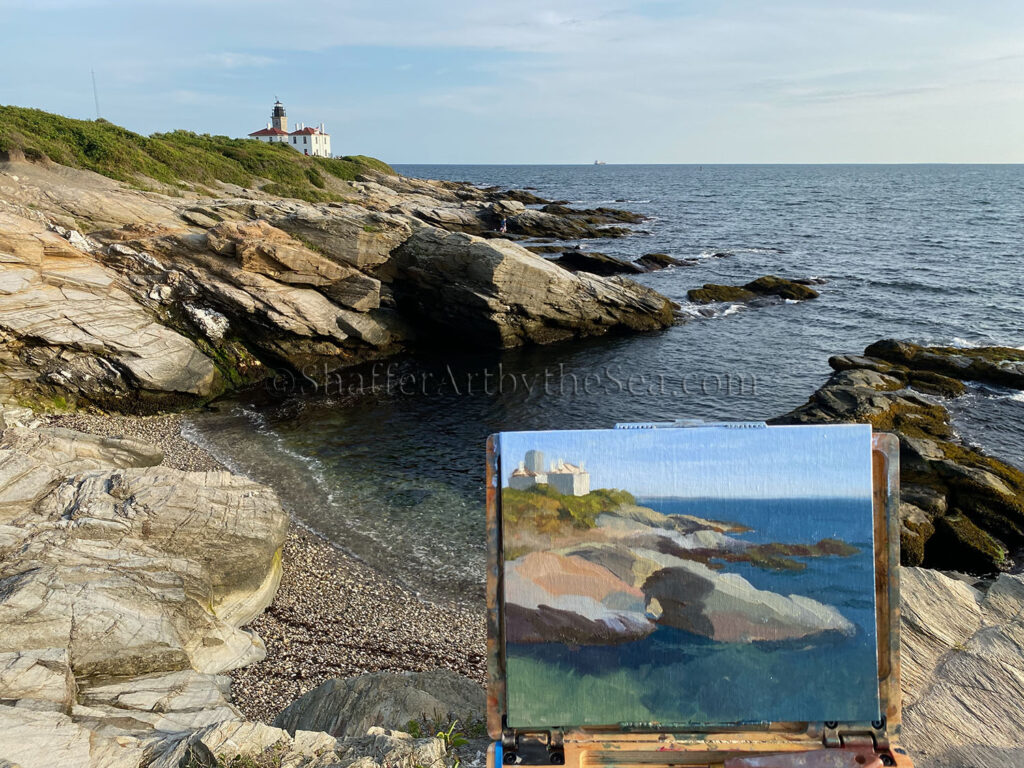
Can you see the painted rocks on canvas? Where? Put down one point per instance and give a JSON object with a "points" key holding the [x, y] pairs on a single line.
{"points": [[688, 576]]}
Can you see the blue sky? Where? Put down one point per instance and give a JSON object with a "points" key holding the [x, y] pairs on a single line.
{"points": [[781, 462], [461, 81]]}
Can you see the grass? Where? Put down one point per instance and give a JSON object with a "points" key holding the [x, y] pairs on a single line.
{"points": [[451, 738], [178, 158], [547, 509]]}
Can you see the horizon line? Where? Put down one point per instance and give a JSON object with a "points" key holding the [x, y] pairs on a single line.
{"points": [[717, 164], [639, 496]]}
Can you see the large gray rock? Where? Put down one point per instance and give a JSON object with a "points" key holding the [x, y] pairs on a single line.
{"points": [[277, 313], [963, 670], [552, 597], [172, 702], [133, 571], [346, 234], [244, 743], [71, 452], [597, 264], [70, 331], [495, 293], [34, 739], [348, 707], [259, 247]]}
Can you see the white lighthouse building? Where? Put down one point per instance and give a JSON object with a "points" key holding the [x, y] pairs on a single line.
{"points": [[568, 479], [309, 140]]}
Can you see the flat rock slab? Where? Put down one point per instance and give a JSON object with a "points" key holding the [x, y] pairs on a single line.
{"points": [[39, 679], [70, 452], [133, 571], [33, 739], [348, 707], [963, 670]]}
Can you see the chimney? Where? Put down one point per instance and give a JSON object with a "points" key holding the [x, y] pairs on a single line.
{"points": [[268, 126]]}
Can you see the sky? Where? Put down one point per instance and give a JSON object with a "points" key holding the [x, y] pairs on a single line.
{"points": [[544, 81], [777, 463]]}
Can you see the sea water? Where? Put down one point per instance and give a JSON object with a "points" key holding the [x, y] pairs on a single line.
{"points": [[929, 253]]}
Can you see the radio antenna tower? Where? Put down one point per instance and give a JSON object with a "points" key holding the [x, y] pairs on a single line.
{"points": [[95, 94]]}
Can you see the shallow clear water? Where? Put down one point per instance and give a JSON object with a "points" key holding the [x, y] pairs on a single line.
{"points": [[933, 254]]}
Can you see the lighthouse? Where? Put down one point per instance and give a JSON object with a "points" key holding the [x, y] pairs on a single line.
{"points": [[279, 118], [309, 140]]}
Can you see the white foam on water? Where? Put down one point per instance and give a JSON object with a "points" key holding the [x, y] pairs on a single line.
{"points": [[965, 343], [959, 342], [710, 311], [755, 250], [313, 466]]}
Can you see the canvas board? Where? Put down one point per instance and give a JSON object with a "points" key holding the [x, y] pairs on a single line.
{"points": [[687, 576]]}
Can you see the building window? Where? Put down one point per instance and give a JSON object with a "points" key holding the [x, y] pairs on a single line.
{"points": [[305, 140]]}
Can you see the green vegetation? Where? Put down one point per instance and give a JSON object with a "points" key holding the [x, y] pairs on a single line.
{"points": [[450, 738], [177, 159], [547, 510], [271, 757]]}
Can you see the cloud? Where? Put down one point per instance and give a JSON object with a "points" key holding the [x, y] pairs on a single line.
{"points": [[229, 60], [621, 79]]}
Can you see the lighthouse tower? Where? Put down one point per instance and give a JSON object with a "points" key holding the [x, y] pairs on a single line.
{"points": [[279, 118], [309, 140]]}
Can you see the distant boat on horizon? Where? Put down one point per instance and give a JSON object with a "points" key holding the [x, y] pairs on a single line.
{"points": [[600, 162]]}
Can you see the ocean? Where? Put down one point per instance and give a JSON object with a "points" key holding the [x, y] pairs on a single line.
{"points": [[672, 676], [929, 253]]}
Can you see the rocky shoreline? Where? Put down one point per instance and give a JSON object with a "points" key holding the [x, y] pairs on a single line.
{"points": [[961, 509], [333, 619], [130, 562], [117, 299], [332, 615], [151, 601]]}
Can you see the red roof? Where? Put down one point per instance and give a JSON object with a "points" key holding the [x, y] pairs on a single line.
{"points": [[269, 132], [307, 129]]}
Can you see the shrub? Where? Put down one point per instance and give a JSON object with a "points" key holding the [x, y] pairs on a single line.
{"points": [[175, 158]]}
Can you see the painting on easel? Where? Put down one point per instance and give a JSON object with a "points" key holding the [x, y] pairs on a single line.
{"points": [[688, 576]]}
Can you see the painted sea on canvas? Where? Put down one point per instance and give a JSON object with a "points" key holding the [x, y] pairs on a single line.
{"points": [[688, 576]]}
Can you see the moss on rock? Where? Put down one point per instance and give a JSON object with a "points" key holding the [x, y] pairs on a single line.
{"points": [[936, 384], [770, 285], [961, 545], [1003, 366], [714, 293]]}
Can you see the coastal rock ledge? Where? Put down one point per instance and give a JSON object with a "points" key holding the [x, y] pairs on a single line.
{"points": [[124, 300], [960, 508], [124, 589]]}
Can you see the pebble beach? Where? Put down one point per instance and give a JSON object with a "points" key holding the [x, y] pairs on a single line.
{"points": [[333, 615]]}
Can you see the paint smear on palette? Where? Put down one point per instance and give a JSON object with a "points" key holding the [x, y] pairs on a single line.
{"points": [[688, 576]]}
